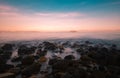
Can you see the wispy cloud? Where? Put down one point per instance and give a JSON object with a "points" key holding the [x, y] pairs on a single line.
{"points": [[115, 3], [7, 8], [61, 15]]}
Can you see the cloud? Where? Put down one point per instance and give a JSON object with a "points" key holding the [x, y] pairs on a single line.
{"points": [[61, 15], [7, 8], [115, 3]]}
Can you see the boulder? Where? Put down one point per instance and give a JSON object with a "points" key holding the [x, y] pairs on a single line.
{"points": [[69, 57], [23, 49], [32, 69], [41, 53], [7, 47], [49, 46], [15, 70], [16, 59], [42, 59], [7, 75], [5, 67], [28, 60]]}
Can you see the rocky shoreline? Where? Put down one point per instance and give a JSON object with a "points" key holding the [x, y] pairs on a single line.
{"points": [[59, 59]]}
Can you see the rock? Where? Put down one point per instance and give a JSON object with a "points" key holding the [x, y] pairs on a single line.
{"points": [[42, 59], [2, 60], [5, 56], [32, 69], [25, 50], [41, 53], [80, 50], [16, 59], [7, 75], [7, 47], [15, 70], [49, 46], [63, 65], [67, 75], [53, 61], [28, 60], [6, 51], [1, 51], [5, 67], [69, 57], [36, 57]]}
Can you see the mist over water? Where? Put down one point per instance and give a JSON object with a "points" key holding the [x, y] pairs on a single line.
{"points": [[20, 36]]}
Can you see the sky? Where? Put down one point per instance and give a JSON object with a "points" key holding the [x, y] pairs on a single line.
{"points": [[59, 15]]}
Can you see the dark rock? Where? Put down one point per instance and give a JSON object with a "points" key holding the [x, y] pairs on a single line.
{"points": [[25, 50], [7, 47], [7, 75], [5, 67], [15, 70], [1, 51], [49, 46], [69, 57], [2, 60], [63, 65], [42, 59], [36, 57], [28, 60], [32, 69], [53, 61], [41, 53], [16, 59]]}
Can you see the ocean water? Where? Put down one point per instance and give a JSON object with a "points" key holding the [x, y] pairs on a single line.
{"points": [[27, 36]]}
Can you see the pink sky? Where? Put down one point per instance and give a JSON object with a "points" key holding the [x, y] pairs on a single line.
{"points": [[12, 19]]}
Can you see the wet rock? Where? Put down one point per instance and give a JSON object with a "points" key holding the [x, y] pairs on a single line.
{"points": [[19, 65], [49, 46], [1, 51], [7, 47], [36, 57], [2, 60], [42, 59], [16, 59], [6, 51], [69, 57], [41, 53], [28, 60], [25, 50], [80, 50], [15, 70], [66, 44], [98, 74], [7, 75], [32, 69], [5, 67], [63, 65], [53, 61]]}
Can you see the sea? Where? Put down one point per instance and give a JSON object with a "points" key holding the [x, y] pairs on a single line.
{"points": [[106, 37], [27, 36]]}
